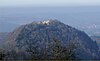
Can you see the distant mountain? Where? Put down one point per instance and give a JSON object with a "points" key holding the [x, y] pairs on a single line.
{"points": [[92, 29], [40, 34], [97, 39], [7, 27], [74, 16], [3, 36]]}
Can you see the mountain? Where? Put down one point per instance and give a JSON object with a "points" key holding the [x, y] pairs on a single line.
{"points": [[97, 39], [74, 16], [5, 26], [40, 35], [3, 36], [92, 29]]}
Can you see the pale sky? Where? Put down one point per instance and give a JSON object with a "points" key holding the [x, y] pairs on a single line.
{"points": [[35, 3]]}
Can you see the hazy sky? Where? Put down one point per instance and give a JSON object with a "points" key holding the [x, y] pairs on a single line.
{"points": [[35, 3]]}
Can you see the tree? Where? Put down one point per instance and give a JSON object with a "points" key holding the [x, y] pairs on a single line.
{"points": [[2, 54], [53, 51], [62, 52]]}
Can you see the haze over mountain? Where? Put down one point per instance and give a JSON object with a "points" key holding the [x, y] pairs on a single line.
{"points": [[97, 39], [3, 37], [40, 34], [78, 17], [22, 37]]}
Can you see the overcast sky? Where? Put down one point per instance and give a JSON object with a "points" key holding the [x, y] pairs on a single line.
{"points": [[36, 3]]}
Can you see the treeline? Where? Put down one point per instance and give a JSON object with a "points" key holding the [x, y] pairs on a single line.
{"points": [[54, 51]]}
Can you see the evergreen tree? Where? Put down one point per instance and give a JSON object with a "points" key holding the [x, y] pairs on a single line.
{"points": [[61, 52], [2, 54]]}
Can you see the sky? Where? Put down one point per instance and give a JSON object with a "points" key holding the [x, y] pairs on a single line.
{"points": [[87, 13], [36, 3]]}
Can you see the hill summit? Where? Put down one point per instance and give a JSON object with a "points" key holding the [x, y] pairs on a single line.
{"points": [[43, 39]]}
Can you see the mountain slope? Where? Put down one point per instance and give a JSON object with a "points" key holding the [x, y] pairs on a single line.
{"points": [[97, 39], [7, 27], [3, 36], [41, 34]]}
